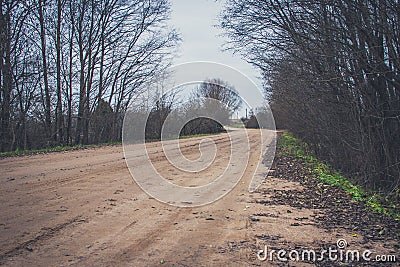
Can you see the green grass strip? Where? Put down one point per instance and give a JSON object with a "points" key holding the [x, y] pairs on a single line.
{"points": [[292, 146], [18, 152], [196, 135]]}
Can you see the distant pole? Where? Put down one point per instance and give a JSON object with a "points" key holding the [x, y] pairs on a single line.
{"points": [[246, 113]]}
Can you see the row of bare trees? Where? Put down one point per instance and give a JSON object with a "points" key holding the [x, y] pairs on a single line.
{"points": [[203, 109], [332, 71], [69, 68]]}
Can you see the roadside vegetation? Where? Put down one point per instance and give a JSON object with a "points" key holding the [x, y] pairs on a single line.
{"points": [[19, 152], [195, 135], [331, 72], [294, 147], [208, 107]]}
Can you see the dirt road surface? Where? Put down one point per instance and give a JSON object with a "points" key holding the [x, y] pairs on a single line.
{"points": [[82, 208]]}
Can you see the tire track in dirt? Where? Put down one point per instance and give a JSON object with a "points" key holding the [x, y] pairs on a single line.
{"points": [[51, 232]]}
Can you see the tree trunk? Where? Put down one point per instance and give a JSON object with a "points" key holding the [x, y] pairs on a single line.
{"points": [[82, 86], [59, 116], [70, 73], [45, 70], [6, 75]]}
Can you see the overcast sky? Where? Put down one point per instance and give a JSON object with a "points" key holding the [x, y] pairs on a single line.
{"points": [[195, 20]]}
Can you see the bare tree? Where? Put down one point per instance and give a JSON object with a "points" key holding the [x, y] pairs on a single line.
{"points": [[6, 27], [47, 104], [220, 90]]}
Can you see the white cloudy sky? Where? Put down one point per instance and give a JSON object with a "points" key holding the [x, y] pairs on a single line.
{"points": [[195, 20]]}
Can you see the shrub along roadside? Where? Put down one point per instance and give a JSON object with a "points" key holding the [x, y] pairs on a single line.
{"points": [[291, 146]]}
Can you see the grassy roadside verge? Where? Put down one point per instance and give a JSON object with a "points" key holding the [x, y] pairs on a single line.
{"points": [[291, 146], [18, 152], [195, 135]]}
